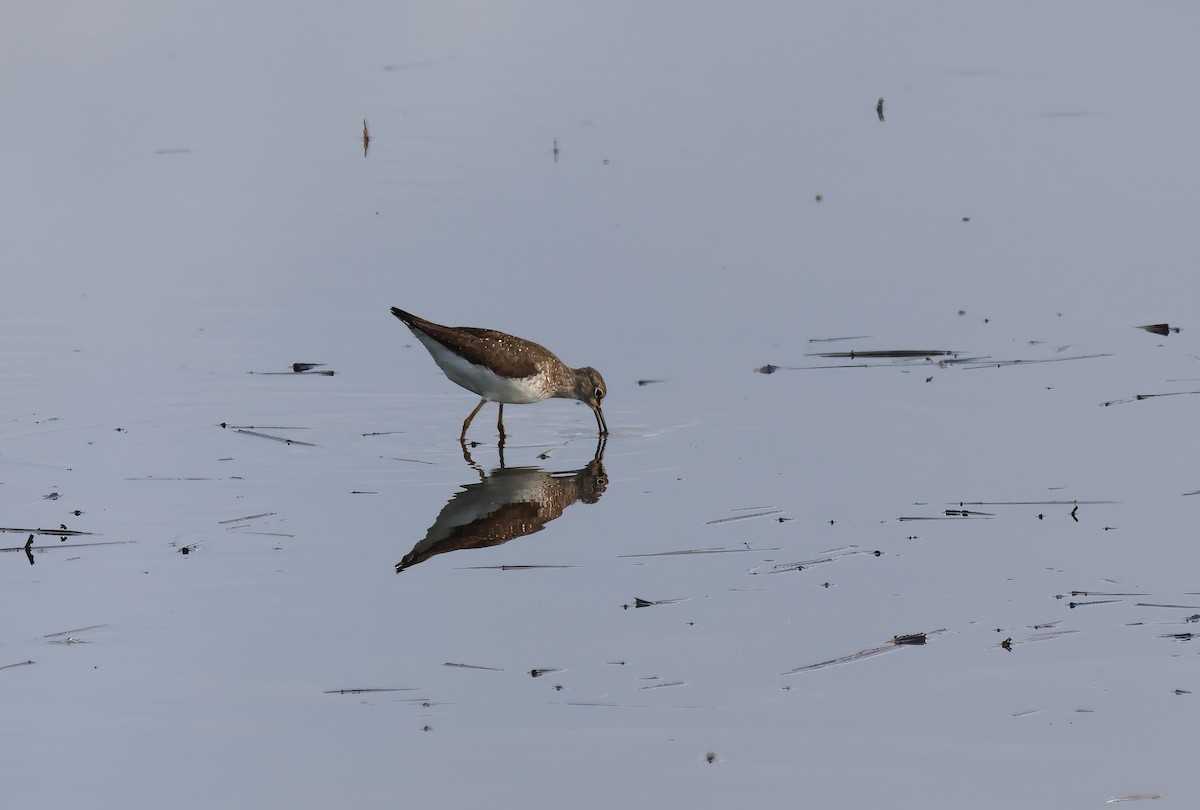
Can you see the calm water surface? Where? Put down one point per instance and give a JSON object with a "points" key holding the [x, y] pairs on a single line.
{"points": [[189, 212]]}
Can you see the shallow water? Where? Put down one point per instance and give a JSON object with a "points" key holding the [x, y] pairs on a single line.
{"points": [[190, 212]]}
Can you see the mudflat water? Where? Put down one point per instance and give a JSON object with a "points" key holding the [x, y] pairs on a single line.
{"points": [[941, 555]]}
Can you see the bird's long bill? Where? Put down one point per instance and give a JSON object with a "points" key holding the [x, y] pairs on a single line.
{"points": [[600, 420]]}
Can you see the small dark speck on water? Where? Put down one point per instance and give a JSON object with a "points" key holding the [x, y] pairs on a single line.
{"points": [[649, 382], [710, 757], [767, 369]]}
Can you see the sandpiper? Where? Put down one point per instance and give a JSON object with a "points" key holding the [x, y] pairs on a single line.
{"points": [[503, 368]]}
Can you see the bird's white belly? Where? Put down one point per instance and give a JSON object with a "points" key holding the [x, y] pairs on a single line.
{"points": [[483, 381]]}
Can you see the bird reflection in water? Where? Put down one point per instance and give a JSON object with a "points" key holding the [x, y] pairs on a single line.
{"points": [[510, 502]]}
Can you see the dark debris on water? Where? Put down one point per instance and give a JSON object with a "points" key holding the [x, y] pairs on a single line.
{"points": [[639, 602], [855, 354]]}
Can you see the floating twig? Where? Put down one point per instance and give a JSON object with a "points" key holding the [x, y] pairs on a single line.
{"points": [[887, 353], [662, 685], [17, 664], [742, 517], [836, 339], [1001, 363], [157, 478], [275, 438], [367, 689], [1105, 593], [76, 630], [29, 547], [1031, 503], [780, 568], [976, 516], [683, 552], [59, 532], [294, 373], [472, 666], [907, 640], [511, 567], [247, 517], [260, 427]]}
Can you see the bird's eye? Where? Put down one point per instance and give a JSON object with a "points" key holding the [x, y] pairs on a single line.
{"points": [[599, 393]]}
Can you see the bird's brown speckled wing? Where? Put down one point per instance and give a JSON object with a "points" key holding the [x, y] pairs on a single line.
{"points": [[507, 355]]}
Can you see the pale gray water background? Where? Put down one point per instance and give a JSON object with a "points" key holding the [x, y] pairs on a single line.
{"points": [[186, 200]]}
